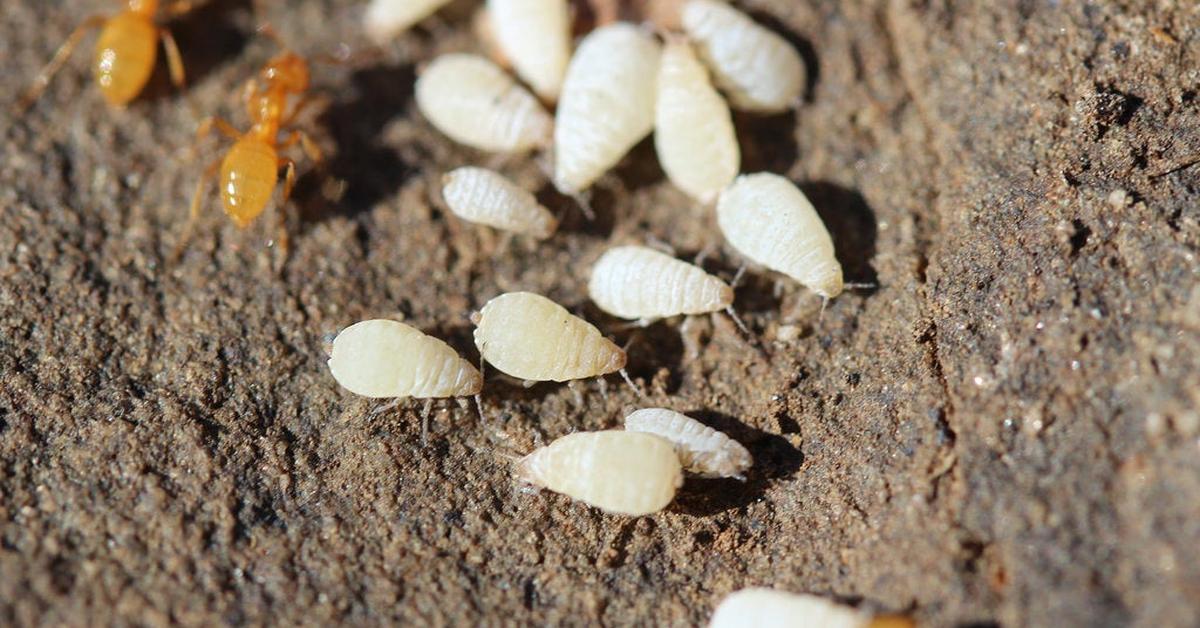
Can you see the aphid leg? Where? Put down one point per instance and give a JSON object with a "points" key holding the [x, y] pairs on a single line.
{"points": [[637, 389], [824, 302], [479, 407], [174, 59], [578, 394], [703, 255], [425, 421], [56, 62], [584, 200], [604, 389], [691, 348], [387, 406], [662, 245], [860, 286], [289, 181], [194, 210]]}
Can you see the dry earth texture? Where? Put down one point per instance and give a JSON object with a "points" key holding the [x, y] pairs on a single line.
{"points": [[1005, 432]]}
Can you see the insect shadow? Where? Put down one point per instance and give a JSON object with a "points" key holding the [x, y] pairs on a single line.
{"points": [[774, 459], [369, 170], [208, 36], [768, 142], [852, 224]]}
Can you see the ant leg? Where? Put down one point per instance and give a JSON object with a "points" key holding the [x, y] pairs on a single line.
{"points": [[219, 124], [56, 62], [194, 211], [305, 102], [174, 59], [289, 181], [179, 7]]}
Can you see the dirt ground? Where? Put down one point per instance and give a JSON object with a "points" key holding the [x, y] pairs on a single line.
{"points": [[1005, 432]]}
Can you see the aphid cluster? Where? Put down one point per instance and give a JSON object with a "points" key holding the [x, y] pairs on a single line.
{"points": [[620, 84]]}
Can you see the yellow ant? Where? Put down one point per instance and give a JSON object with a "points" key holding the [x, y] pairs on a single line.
{"points": [[250, 169], [126, 52]]}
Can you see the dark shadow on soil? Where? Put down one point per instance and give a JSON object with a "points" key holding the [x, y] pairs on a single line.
{"points": [[852, 224], [365, 169], [768, 143], [774, 459], [572, 218], [208, 37]]}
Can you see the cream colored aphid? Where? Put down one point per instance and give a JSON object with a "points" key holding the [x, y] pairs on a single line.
{"points": [[758, 69], [693, 130], [628, 473], [637, 282], [533, 338], [536, 36], [770, 608], [606, 105], [384, 19], [770, 221], [702, 450], [475, 103], [486, 197], [384, 358]]}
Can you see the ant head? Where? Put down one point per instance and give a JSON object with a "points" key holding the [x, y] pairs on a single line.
{"points": [[144, 7], [289, 71]]}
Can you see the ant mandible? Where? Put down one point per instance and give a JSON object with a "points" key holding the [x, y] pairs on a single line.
{"points": [[125, 52], [250, 169]]}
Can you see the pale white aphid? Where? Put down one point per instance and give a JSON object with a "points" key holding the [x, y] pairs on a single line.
{"points": [[693, 130], [486, 197], [637, 282], [702, 450], [530, 337], [476, 103], [628, 473], [757, 69], [536, 36], [770, 221], [384, 19], [606, 105], [383, 358], [769, 608]]}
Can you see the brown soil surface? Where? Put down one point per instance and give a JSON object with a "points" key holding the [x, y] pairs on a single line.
{"points": [[1006, 431]]}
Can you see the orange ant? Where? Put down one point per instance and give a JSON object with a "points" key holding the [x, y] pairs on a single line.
{"points": [[250, 169], [125, 52]]}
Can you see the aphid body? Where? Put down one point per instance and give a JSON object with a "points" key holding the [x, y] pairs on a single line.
{"points": [[126, 51], [536, 36], [384, 358], [384, 19], [486, 197], [637, 282], [757, 69], [533, 338], [250, 169], [627, 473], [476, 103], [769, 608], [606, 105], [770, 221], [701, 449], [693, 129]]}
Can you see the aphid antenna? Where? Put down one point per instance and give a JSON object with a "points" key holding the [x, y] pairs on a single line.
{"points": [[860, 286], [637, 389], [737, 277], [737, 320], [824, 302], [702, 256], [584, 200], [479, 407]]}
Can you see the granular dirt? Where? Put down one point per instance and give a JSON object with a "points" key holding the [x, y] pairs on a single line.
{"points": [[1006, 431]]}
